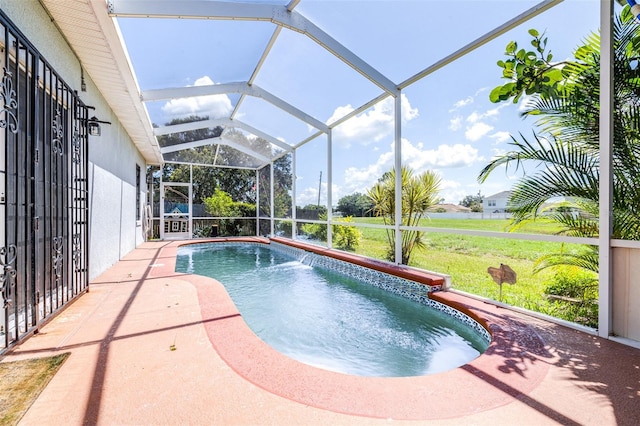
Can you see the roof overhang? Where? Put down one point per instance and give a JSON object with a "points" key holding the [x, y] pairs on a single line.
{"points": [[96, 40]]}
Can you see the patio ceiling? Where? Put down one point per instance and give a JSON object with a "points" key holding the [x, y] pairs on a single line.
{"points": [[265, 110]]}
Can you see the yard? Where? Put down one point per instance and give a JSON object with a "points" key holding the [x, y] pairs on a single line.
{"points": [[466, 259]]}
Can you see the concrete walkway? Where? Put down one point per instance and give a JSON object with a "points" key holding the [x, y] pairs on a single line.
{"points": [[147, 349]]}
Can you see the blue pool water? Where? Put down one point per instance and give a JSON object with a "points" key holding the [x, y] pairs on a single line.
{"points": [[325, 319]]}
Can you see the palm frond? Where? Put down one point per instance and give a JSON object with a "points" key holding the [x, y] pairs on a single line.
{"points": [[588, 259]]}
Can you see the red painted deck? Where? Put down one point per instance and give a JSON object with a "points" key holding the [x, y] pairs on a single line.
{"points": [[122, 369]]}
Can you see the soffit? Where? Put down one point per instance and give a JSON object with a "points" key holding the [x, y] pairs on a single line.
{"points": [[94, 37]]}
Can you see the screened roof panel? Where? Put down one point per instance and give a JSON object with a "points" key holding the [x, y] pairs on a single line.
{"points": [[274, 121], [279, 71], [428, 30], [214, 106], [297, 69], [286, 74], [179, 52], [177, 138], [252, 145], [216, 154], [231, 156]]}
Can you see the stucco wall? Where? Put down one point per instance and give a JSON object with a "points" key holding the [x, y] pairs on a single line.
{"points": [[112, 156]]}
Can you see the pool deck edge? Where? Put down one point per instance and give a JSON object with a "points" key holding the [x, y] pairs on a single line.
{"points": [[152, 346], [398, 398]]}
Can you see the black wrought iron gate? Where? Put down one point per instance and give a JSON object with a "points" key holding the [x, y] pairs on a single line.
{"points": [[43, 189]]}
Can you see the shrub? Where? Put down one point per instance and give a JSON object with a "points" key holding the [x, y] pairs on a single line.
{"points": [[419, 194], [346, 237], [573, 296], [317, 231], [221, 204]]}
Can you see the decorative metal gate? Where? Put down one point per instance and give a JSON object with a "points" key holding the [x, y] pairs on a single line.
{"points": [[43, 189]]}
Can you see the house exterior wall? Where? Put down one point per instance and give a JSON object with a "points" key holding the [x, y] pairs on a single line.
{"points": [[114, 230], [495, 204]]}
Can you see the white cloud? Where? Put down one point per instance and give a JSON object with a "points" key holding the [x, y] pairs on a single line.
{"points": [[419, 159], [449, 184], [498, 152], [214, 106], [493, 112], [371, 126], [451, 191], [455, 123], [467, 101], [477, 125], [309, 195], [442, 157], [477, 130], [500, 137], [453, 196], [474, 117], [361, 179], [461, 103]]}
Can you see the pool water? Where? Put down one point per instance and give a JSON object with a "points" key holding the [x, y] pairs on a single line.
{"points": [[325, 319]]}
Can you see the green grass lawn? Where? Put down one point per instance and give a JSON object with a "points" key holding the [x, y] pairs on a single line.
{"points": [[466, 258]]}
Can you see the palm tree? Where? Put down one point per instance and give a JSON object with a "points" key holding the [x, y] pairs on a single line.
{"points": [[565, 152], [419, 193]]}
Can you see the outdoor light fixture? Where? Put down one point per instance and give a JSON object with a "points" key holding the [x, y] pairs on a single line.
{"points": [[93, 126]]}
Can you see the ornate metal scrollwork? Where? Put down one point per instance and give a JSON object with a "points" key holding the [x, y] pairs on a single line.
{"points": [[76, 142], [58, 133], [57, 257], [8, 96], [8, 273], [76, 251]]}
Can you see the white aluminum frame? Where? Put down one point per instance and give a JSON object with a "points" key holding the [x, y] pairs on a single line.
{"points": [[605, 289], [286, 17]]}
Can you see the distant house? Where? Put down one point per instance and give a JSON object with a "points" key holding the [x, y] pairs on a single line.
{"points": [[496, 203], [449, 208]]}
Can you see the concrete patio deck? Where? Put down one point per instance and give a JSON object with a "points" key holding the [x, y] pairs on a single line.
{"points": [[150, 346]]}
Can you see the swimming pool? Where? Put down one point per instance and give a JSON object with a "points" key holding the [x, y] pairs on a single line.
{"points": [[331, 320]]}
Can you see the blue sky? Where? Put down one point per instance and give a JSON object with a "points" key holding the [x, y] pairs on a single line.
{"points": [[449, 125]]}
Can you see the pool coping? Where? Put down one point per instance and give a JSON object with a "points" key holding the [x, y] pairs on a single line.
{"points": [[430, 279], [515, 361]]}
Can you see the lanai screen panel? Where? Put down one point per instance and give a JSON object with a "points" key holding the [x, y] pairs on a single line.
{"points": [[274, 121], [167, 52], [305, 74], [401, 37], [288, 83], [174, 53]]}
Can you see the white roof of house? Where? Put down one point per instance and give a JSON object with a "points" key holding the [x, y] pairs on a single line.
{"points": [[499, 195]]}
